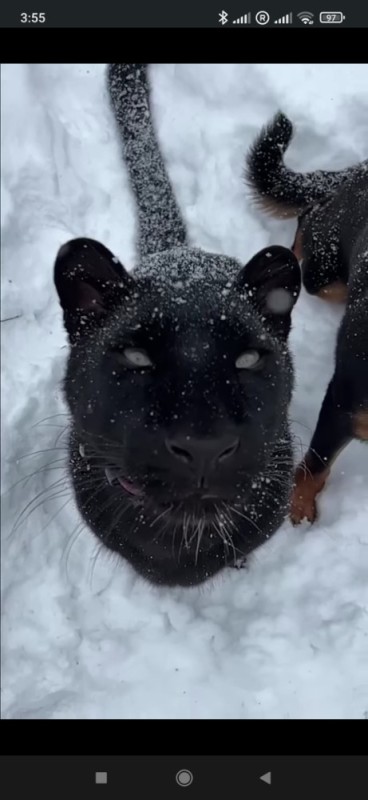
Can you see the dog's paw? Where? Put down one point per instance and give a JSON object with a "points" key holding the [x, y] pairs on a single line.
{"points": [[303, 499], [302, 507]]}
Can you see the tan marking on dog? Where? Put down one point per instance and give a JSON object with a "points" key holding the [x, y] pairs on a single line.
{"points": [[336, 292], [360, 425], [303, 498], [307, 485], [297, 247], [275, 208]]}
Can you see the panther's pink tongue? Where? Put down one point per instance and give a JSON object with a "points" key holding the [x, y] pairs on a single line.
{"points": [[132, 488]]}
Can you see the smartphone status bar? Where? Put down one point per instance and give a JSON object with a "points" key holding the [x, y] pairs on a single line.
{"points": [[191, 14]]}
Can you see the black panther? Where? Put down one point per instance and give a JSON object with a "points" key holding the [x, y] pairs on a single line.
{"points": [[178, 379]]}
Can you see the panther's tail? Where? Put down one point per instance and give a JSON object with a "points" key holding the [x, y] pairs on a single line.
{"points": [[160, 222]]}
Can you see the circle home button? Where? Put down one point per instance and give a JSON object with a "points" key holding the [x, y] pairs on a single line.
{"points": [[184, 777]]}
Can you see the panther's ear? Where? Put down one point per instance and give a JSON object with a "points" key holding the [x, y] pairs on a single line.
{"points": [[90, 282], [271, 282]]}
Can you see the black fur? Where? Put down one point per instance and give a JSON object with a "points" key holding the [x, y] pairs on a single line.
{"points": [[180, 463], [342, 227], [332, 243], [271, 181], [160, 222]]}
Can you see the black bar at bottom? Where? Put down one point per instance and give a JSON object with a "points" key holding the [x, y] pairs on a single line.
{"points": [[254, 777]]}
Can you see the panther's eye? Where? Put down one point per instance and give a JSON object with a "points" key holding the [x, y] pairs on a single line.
{"points": [[132, 357], [248, 360]]}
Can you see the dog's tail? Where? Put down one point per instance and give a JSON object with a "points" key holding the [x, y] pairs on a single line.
{"points": [[277, 189], [161, 226]]}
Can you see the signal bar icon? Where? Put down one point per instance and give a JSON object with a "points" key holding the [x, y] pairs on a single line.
{"points": [[244, 20], [287, 19]]}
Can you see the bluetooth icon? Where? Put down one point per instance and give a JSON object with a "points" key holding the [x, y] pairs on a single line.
{"points": [[223, 17]]}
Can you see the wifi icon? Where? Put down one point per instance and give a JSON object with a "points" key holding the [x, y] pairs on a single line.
{"points": [[306, 17]]}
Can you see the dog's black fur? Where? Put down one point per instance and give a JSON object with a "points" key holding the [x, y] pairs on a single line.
{"points": [[332, 245], [180, 454]]}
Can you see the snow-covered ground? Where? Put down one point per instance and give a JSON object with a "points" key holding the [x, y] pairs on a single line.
{"points": [[82, 636]]}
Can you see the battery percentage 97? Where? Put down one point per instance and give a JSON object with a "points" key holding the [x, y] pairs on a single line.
{"points": [[330, 17]]}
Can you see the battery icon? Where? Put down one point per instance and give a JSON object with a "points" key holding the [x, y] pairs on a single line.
{"points": [[330, 17]]}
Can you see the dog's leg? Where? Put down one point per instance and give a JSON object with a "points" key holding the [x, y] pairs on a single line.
{"points": [[332, 434], [335, 292], [325, 278], [323, 264]]}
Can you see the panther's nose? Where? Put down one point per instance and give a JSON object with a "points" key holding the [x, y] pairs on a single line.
{"points": [[202, 455]]}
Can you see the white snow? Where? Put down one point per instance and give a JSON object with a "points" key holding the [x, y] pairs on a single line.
{"points": [[82, 636]]}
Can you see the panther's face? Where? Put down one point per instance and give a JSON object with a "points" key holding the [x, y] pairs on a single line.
{"points": [[178, 381]]}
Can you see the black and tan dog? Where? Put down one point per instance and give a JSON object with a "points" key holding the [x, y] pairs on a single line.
{"points": [[332, 245]]}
